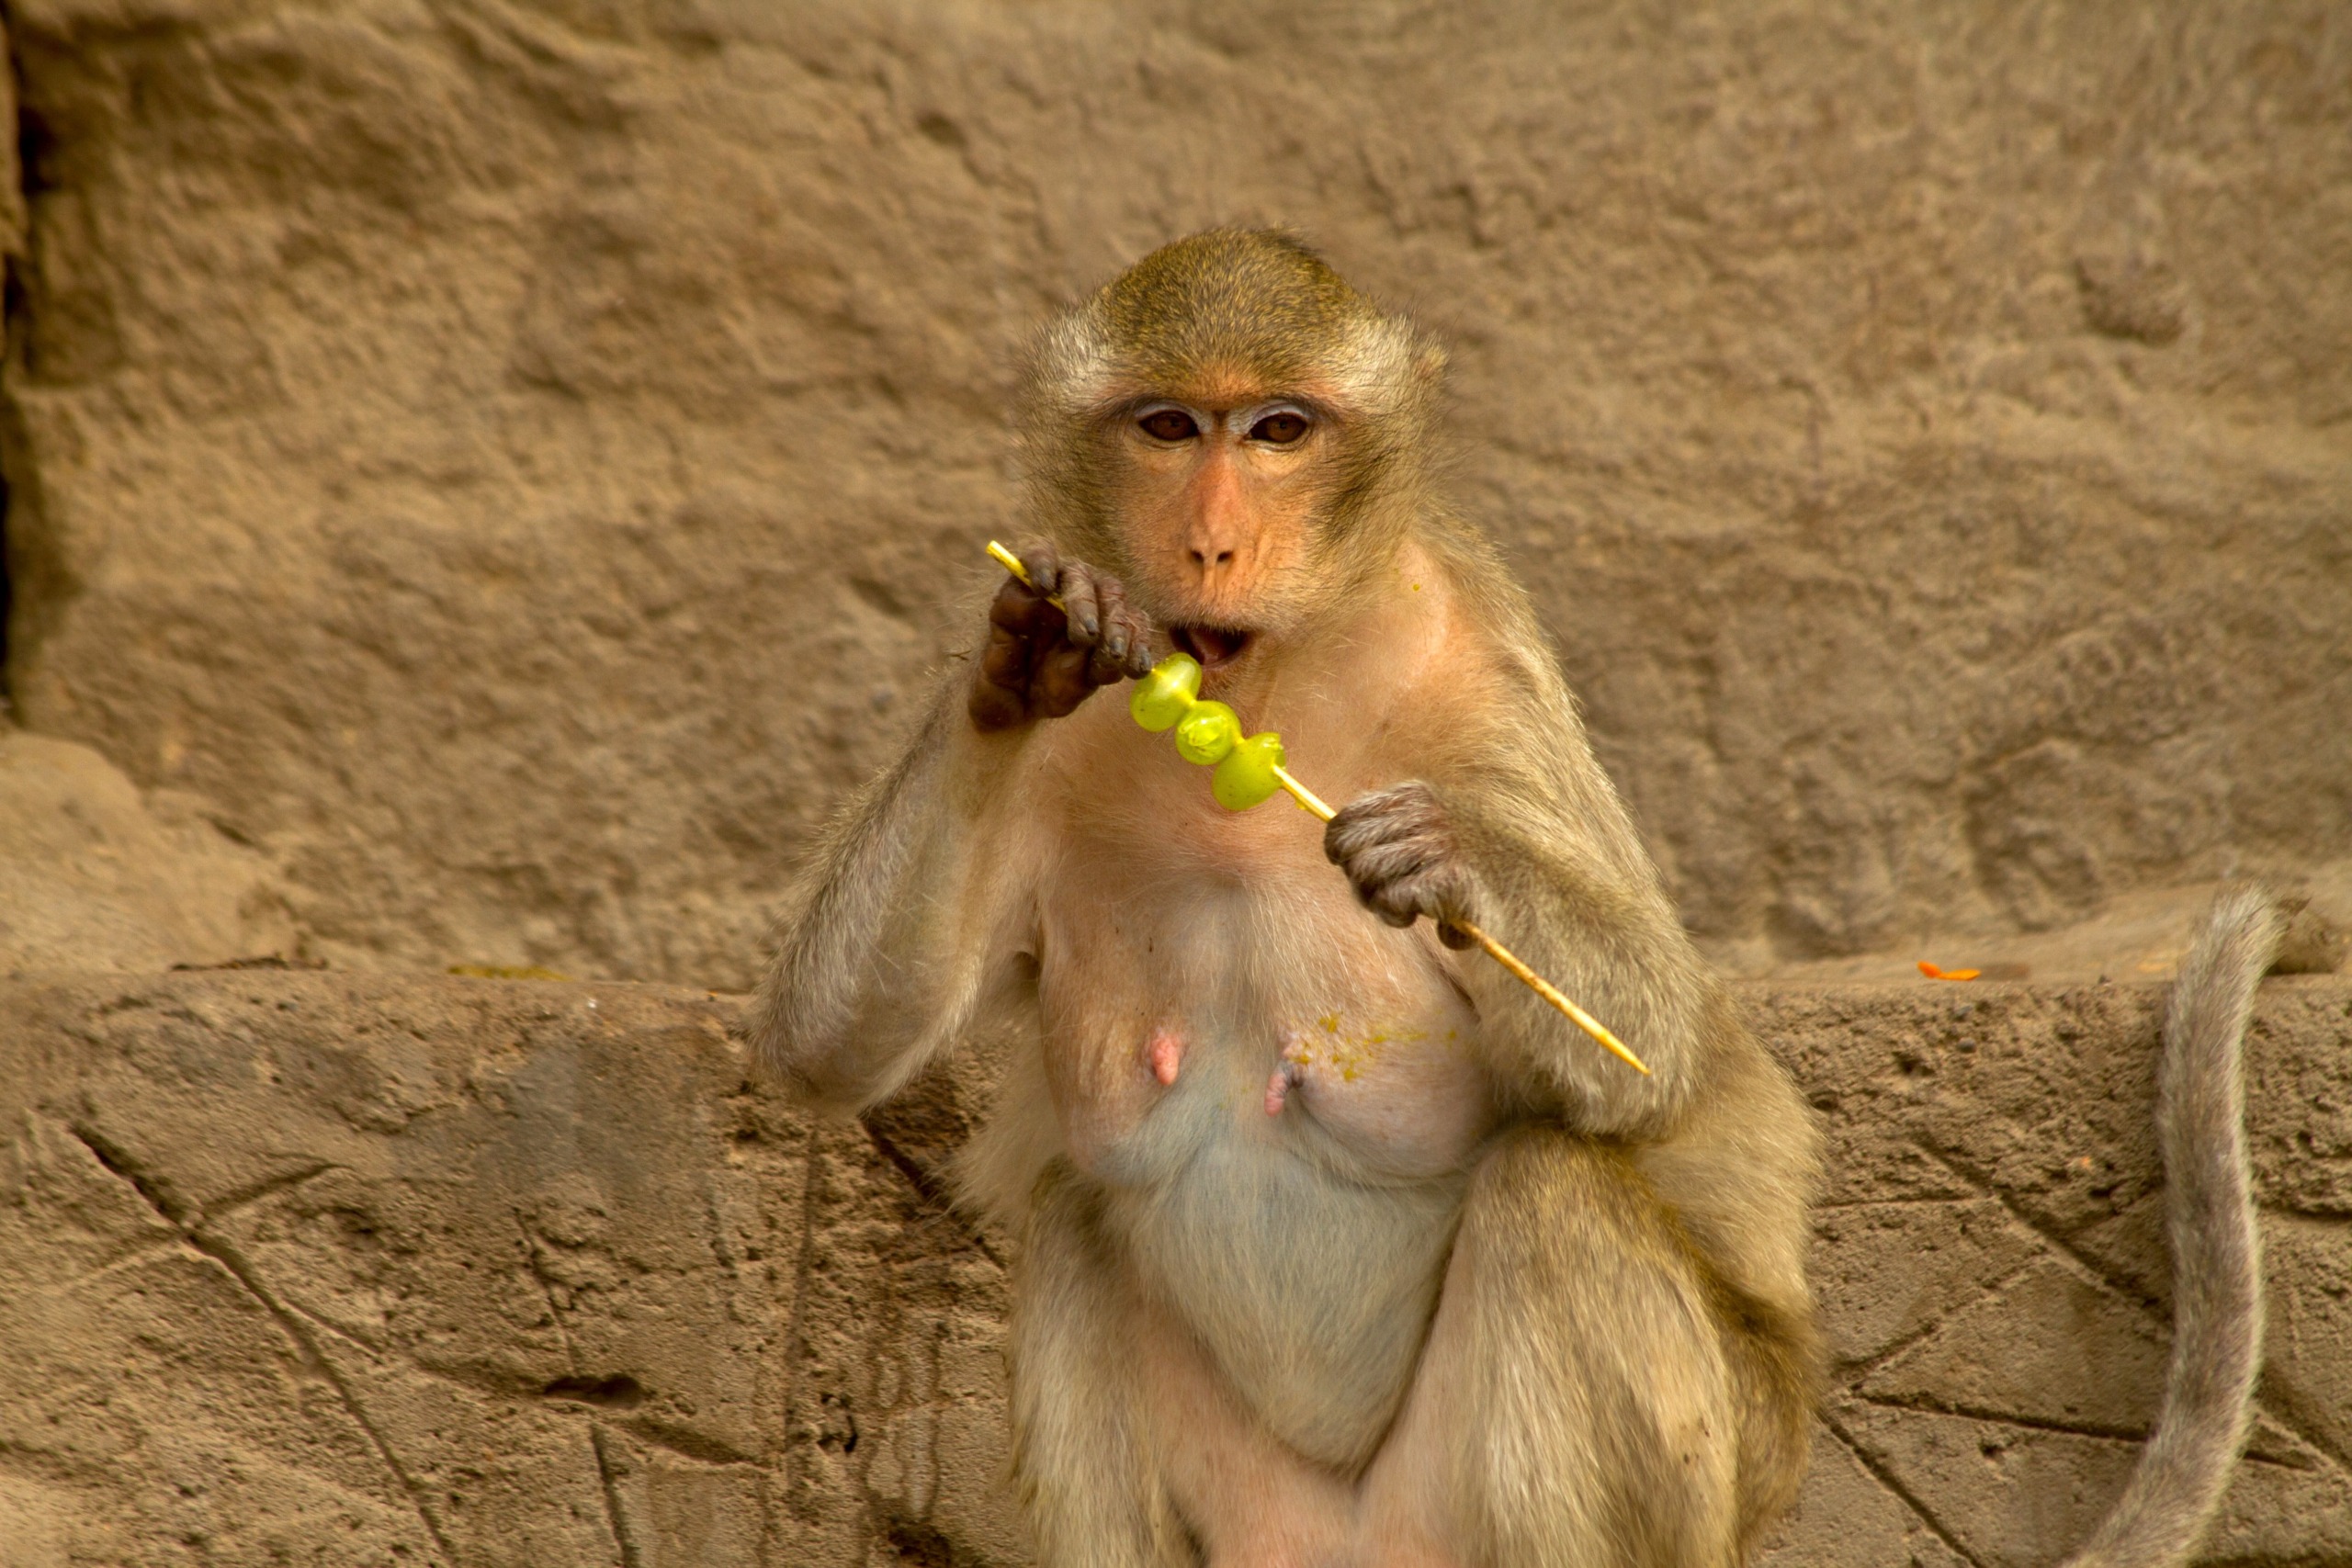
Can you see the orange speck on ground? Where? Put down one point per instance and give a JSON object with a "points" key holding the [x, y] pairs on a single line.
{"points": [[1932, 973]]}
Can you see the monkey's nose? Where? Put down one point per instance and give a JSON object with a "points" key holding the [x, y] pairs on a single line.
{"points": [[1201, 558]]}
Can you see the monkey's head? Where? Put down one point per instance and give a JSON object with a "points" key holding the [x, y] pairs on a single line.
{"points": [[1236, 431]]}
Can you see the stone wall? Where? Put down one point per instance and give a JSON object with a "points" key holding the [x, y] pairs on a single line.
{"points": [[483, 477], [354, 1269], [517, 460]]}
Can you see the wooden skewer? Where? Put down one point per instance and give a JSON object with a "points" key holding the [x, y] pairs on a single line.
{"points": [[1498, 951], [1314, 803], [1550, 993], [1307, 799]]}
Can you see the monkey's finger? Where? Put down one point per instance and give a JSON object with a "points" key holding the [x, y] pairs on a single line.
{"points": [[1101, 668], [1431, 893], [1453, 936], [1345, 833], [1138, 647], [1118, 622], [1378, 865], [1044, 563], [1081, 602], [1125, 652], [1363, 827]]}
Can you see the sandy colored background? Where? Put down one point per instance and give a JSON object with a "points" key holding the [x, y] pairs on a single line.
{"points": [[482, 478], [517, 463]]}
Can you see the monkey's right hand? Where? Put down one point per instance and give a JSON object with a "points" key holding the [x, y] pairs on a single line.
{"points": [[1043, 660]]}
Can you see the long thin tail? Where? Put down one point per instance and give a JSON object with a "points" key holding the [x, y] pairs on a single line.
{"points": [[2216, 1256]]}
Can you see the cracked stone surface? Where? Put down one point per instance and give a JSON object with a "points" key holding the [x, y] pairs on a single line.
{"points": [[370, 1268], [516, 459], [312, 1267]]}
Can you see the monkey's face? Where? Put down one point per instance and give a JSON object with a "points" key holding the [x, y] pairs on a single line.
{"points": [[1218, 499]]}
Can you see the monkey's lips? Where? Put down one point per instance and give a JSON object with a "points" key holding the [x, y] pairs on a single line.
{"points": [[1211, 645]]}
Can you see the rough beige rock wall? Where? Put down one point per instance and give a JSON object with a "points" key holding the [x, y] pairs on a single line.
{"points": [[352, 1269], [514, 458], [95, 875]]}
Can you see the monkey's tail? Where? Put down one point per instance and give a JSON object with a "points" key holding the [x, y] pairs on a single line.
{"points": [[2216, 1255]]}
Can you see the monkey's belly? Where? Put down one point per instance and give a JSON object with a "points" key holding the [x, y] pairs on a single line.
{"points": [[1312, 1293]]}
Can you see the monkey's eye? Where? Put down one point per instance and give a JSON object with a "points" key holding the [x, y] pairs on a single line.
{"points": [[1169, 424], [1280, 429]]}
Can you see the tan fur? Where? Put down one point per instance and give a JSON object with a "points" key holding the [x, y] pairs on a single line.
{"points": [[1475, 1292], [2217, 1256]]}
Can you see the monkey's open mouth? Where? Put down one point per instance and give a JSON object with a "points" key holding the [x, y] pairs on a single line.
{"points": [[1211, 645]]}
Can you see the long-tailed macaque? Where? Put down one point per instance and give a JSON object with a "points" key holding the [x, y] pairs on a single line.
{"points": [[1339, 1246]]}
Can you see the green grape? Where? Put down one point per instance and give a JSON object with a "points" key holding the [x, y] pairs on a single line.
{"points": [[1207, 733], [1167, 693], [1246, 777]]}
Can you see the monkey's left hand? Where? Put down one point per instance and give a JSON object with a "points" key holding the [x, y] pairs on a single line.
{"points": [[1397, 848]]}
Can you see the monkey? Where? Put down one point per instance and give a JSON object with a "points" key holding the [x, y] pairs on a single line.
{"points": [[1337, 1247]]}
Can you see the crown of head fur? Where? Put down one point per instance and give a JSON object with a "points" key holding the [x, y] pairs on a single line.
{"points": [[1257, 300]]}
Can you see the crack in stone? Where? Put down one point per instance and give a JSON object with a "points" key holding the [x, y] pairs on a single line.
{"points": [[547, 1289], [930, 1189], [623, 1536], [1888, 1479], [2087, 1268], [649, 1430], [157, 1196], [114, 1264], [269, 1188], [349, 1335], [2095, 1274], [1851, 1373], [1927, 1404]]}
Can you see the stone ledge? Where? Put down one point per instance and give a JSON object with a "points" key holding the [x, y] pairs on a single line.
{"points": [[371, 1267]]}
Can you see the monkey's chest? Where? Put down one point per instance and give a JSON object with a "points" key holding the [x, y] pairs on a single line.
{"points": [[1274, 1018], [1281, 1098]]}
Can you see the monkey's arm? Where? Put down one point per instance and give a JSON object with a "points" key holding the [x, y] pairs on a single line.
{"points": [[907, 918], [921, 897], [1560, 882]]}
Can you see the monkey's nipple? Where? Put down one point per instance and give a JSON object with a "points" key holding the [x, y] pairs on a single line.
{"points": [[1294, 1056], [1166, 1054]]}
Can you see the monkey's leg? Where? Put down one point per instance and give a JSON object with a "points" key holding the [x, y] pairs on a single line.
{"points": [[1081, 1451], [1249, 1501], [1578, 1403]]}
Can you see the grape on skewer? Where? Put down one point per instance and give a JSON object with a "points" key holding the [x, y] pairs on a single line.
{"points": [[1251, 769]]}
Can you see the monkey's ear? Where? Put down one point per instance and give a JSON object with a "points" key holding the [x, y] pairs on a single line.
{"points": [[1429, 367]]}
